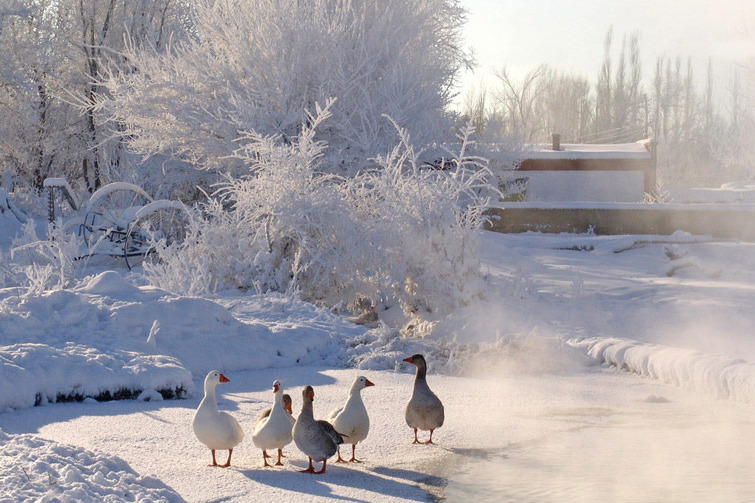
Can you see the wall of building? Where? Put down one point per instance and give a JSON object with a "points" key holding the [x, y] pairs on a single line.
{"points": [[720, 221]]}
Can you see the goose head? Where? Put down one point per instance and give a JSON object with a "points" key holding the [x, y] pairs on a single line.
{"points": [[287, 403], [417, 360], [308, 394], [213, 378], [277, 387], [360, 383]]}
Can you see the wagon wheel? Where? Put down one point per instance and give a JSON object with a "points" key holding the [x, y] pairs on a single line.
{"points": [[160, 220], [110, 210]]}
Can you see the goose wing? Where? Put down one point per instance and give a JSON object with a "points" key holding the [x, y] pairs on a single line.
{"points": [[263, 415], [334, 413], [329, 432]]}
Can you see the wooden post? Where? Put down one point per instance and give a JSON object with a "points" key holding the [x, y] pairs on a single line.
{"points": [[556, 137], [650, 173]]}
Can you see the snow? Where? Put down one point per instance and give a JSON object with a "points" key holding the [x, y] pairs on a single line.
{"points": [[11, 217], [35, 469], [160, 204], [110, 188], [732, 192], [723, 377], [588, 151], [94, 339], [577, 336]]}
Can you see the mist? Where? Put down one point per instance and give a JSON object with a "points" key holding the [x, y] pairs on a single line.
{"points": [[610, 374]]}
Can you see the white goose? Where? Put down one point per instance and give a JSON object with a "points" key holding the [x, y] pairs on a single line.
{"points": [[273, 429], [286, 405], [317, 439], [352, 420], [424, 410], [215, 429]]}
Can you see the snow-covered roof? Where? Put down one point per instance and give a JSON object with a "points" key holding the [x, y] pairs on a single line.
{"points": [[637, 150]]}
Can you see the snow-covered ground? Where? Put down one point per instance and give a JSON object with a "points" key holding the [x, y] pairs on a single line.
{"points": [[582, 341]]}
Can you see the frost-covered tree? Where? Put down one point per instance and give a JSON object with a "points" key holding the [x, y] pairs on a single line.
{"points": [[53, 53], [520, 102], [34, 133], [256, 65]]}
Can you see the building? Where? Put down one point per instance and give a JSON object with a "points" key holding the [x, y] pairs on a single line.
{"points": [[587, 172]]}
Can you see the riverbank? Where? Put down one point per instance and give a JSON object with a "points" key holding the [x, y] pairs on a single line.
{"points": [[537, 434], [155, 439]]}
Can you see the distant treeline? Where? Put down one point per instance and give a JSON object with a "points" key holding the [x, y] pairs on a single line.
{"points": [[701, 141]]}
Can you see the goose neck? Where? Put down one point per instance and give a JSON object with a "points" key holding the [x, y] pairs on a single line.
{"points": [[209, 400], [306, 410], [421, 374]]}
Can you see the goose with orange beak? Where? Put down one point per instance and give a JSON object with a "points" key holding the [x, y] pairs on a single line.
{"points": [[216, 429], [273, 430], [352, 419], [424, 410], [315, 438]]}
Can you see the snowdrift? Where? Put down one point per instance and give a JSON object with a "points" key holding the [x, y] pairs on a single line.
{"points": [[34, 469], [723, 377], [108, 339]]}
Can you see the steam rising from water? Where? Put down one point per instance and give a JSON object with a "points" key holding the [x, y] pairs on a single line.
{"points": [[669, 418]]}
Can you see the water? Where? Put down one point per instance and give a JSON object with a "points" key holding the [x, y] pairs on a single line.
{"points": [[631, 459]]}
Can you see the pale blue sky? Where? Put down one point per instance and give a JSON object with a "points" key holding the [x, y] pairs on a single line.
{"points": [[569, 34]]}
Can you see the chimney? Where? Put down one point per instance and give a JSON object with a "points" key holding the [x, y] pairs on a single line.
{"points": [[556, 141]]}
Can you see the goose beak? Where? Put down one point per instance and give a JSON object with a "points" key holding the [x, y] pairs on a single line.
{"points": [[408, 360], [224, 378], [311, 396], [367, 382], [275, 388], [288, 409]]}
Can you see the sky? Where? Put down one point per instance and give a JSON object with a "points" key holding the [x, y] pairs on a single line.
{"points": [[568, 34]]}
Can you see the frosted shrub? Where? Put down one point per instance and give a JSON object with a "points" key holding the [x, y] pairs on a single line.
{"points": [[285, 227], [425, 221], [44, 264], [659, 194], [398, 234]]}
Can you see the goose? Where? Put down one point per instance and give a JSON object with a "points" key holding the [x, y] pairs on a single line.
{"points": [[286, 405], [352, 418], [273, 427], [424, 410], [216, 429], [317, 439]]}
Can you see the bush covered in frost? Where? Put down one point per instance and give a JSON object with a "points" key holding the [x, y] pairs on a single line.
{"points": [[401, 233]]}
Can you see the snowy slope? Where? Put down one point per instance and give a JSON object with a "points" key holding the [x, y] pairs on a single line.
{"points": [[108, 336]]}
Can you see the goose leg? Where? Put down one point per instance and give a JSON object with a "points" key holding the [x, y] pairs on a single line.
{"points": [[416, 440], [431, 438], [265, 455], [353, 455], [340, 459], [280, 455], [322, 470], [310, 468], [214, 463], [228, 463]]}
